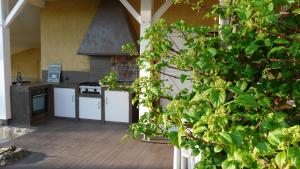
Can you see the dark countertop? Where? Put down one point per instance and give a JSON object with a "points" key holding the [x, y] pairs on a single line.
{"points": [[89, 95], [39, 84]]}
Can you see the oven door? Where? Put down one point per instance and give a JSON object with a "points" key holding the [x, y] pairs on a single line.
{"points": [[39, 103]]}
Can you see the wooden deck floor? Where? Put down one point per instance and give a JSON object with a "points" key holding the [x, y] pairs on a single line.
{"points": [[62, 144]]}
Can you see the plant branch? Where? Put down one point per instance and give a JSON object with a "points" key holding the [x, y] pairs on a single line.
{"points": [[284, 60], [173, 75]]}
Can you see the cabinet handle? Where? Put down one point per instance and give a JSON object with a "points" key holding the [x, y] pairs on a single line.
{"points": [[99, 105], [105, 100], [73, 98]]}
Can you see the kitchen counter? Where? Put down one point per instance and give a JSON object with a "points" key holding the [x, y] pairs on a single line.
{"points": [[38, 84], [74, 105]]}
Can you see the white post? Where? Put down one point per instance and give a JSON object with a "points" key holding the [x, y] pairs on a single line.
{"points": [[222, 22], [5, 64], [146, 19], [176, 158]]}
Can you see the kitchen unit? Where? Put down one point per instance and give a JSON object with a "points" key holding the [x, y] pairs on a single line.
{"points": [[90, 108], [30, 104], [90, 102], [117, 106], [64, 102], [35, 103]]}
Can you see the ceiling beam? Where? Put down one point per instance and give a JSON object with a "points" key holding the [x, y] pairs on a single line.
{"points": [[158, 14], [14, 12], [37, 3], [131, 10]]}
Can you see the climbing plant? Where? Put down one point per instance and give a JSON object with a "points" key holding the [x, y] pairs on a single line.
{"points": [[243, 109]]}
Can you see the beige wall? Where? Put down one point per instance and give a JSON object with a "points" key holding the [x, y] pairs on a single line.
{"points": [[27, 62], [65, 22], [178, 12], [63, 25]]}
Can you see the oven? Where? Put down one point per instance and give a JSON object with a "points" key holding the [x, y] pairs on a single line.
{"points": [[39, 101]]}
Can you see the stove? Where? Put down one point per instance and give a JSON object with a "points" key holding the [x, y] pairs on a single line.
{"points": [[90, 87]]}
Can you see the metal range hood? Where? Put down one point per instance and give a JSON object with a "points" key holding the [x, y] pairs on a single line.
{"points": [[110, 29]]}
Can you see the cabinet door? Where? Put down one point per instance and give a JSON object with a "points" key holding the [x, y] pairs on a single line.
{"points": [[117, 106], [64, 102], [90, 108]]}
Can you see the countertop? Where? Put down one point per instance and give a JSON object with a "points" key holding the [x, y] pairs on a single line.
{"points": [[39, 84]]}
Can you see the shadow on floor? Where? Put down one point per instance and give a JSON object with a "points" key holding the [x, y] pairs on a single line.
{"points": [[32, 158]]}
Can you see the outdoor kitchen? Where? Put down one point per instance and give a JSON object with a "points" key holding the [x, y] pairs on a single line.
{"points": [[77, 95], [54, 113]]}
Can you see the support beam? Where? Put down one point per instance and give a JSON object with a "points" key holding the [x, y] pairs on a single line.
{"points": [[176, 158], [131, 10], [159, 13], [5, 64], [37, 3], [222, 22], [14, 12], [146, 21]]}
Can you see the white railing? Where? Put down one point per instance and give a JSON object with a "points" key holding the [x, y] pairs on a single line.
{"points": [[183, 159]]}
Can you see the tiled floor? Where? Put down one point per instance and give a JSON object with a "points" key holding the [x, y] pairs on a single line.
{"points": [[63, 144]]}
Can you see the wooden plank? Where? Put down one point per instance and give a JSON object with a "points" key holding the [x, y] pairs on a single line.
{"points": [[14, 12], [61, 144], [131, 10]]}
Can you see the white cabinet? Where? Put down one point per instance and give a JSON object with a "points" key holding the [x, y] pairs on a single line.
{"points": [[117, 106], [64, 102], [90, 108]]}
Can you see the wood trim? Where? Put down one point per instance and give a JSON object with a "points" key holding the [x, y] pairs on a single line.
{"points": [[163, 9], [131, 10], [14, 12]]}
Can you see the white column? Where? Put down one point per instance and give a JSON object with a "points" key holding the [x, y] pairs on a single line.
{"points": [[5, 64], [146, 19], [222, 22], [176, 158]]}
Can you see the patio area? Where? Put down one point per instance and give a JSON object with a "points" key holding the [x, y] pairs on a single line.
{"points": [[64, 144]]}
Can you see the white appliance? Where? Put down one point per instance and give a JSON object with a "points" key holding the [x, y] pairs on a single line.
{"points": [[90, 87]]}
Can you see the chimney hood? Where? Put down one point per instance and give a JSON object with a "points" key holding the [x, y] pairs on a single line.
{"points": [[109, 30]]}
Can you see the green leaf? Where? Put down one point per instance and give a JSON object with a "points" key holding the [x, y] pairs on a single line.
{"points": [[246, 100], [229, 164], [251, 49], [235, 89], [212, 51], [280, 159], [217, 98], [264, 148], [271, 7], [225, 138], [293, 154], [124, 138], [242, 85], [281, 41], [183, 78], [265, 101], [277, 50], [297, 11], [274, 137], [237, 138], [218, 149], [173, 136], [199, 129]]}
